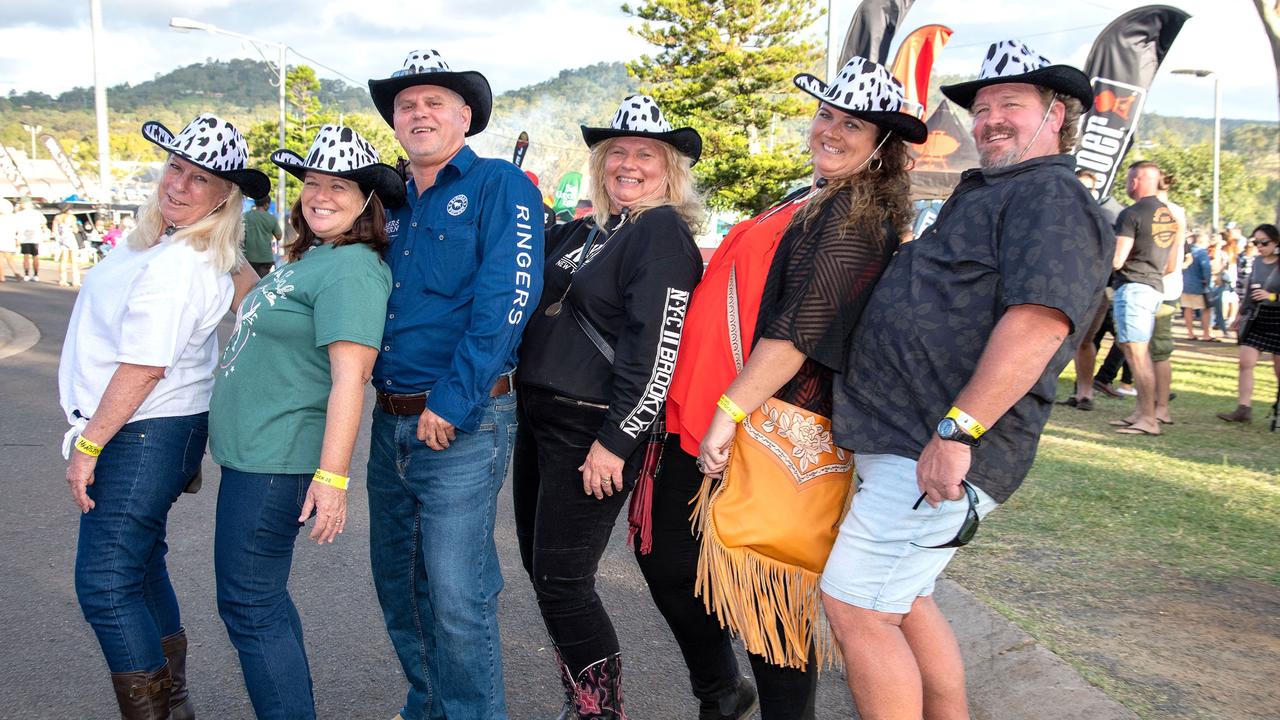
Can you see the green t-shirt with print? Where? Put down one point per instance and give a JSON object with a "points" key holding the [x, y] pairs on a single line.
{"points": [[271, 386], [259, 229]]}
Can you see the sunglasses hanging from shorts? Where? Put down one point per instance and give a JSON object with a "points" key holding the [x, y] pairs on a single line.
{"points": [[968, 528]]}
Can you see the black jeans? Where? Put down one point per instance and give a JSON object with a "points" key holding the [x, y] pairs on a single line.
{"points": [[563, 531], [1114, 362], [671, 569]]}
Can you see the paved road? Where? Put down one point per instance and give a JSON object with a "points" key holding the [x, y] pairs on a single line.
{"points": [[55, 670]]}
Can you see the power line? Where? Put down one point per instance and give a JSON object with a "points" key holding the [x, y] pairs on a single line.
{"points": [[312, 60]]}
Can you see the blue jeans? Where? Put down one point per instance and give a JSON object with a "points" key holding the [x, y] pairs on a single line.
{"points": [[252, 554], [435, 565], [121, 578]]}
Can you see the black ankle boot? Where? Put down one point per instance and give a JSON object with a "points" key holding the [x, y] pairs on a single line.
{"points": [[739, 703]]}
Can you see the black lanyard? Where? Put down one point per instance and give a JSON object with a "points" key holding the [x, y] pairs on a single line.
{"points": [[554, 308]]}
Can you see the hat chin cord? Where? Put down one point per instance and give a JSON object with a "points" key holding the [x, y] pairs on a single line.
{"points": [[823, 181], [1034, 137]]}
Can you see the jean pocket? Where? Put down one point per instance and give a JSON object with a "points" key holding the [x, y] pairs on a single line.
{"points": [[128, 438]]}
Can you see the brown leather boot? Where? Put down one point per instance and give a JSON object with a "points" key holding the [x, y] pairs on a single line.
{"points": [[1242, 414], [175, 651], [143, 695]]}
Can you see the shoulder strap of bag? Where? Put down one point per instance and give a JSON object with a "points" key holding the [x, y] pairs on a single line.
{"points": [[596, 338], [735, 325]]}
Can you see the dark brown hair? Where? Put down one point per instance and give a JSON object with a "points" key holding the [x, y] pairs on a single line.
{"points": [[880, 192], [370, 229]]}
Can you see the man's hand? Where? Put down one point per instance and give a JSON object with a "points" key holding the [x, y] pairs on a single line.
{"points": [[80, 477], [941, 467], [601, 472], [434, 430]]}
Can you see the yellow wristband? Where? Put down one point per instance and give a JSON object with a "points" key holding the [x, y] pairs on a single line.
{"points": [[729, 406], [324, 477], [966, 422], [88, 447]]}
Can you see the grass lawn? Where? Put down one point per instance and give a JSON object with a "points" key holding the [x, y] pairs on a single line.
{"points": [[1152, 564]]}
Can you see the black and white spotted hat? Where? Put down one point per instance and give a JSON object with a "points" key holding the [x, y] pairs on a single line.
{"points": [[341, 152], [426, 67], [215, 145], [640, 116], [1013, 61], [867, 90]]}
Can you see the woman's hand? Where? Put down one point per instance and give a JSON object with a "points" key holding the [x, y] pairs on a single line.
{"points": [[1259, 295], [80, 477], [713, 454], [601, 472], [330, 505]]}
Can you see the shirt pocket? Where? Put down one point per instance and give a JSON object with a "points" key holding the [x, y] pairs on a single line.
{"points": [[453, 259]]}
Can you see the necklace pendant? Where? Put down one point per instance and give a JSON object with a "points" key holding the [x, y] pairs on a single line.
{"points": [[553, 309]]}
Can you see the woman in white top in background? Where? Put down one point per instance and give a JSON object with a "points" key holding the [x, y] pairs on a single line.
{"points": [[135, 379]]}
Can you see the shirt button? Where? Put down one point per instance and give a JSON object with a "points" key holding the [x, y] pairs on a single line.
{"points": [[414, 224], [441, 236], [386, 347], [397, 284], [386, 382], [406, 252], [391, 316]]}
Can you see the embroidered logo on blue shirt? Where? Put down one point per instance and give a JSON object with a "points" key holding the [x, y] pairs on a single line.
{"points": [[392, 227], [457, 205]]}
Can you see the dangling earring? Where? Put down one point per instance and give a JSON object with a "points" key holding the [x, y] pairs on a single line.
{"points": [[879, 164]]}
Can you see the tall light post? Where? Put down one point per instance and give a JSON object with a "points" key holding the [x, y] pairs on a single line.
{"points": [[100, 103], [182, 24], [33, 129], [1217, 131]]}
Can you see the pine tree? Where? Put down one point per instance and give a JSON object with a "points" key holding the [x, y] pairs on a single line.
{"points": [[724, 67]]}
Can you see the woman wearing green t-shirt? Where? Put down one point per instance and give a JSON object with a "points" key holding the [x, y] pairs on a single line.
{"points": [[286, 405]]}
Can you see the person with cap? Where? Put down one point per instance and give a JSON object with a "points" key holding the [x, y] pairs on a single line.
{"points": [[595, 364], [466, 263], [287, 399], [796, 278], [134, 381], [951, 375], [260, 231]]}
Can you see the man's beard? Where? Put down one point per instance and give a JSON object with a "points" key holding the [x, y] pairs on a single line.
{"points": [[990, 158]]}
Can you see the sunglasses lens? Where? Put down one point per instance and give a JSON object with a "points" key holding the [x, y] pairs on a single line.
{"points": [[969, 529]]}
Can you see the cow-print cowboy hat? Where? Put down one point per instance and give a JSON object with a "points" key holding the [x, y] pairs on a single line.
{"points": [[640, 116], [215, 145], [426, 67], [341, 152], [1012, 61], [868, 91]]}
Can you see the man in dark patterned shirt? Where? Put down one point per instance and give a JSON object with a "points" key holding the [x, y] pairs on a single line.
{"points": [[967, 330]]}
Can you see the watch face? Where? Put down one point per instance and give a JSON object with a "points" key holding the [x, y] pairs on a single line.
{"points": [[947, 428]]}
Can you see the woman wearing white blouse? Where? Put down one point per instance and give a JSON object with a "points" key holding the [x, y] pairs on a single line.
{"points": [[134, 380]]}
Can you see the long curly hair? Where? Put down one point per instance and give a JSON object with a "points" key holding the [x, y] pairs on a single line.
{"points": [[879, 192]]}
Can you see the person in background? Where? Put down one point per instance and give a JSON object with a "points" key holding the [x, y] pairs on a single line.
{"points": [[286, 406], [1259, 321], [32, 230], [1228, 279], [260, 229], [8, 240], [134, 381], [67, 255], [1091, 340]]}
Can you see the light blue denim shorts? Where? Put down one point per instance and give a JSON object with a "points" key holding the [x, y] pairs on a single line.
{"points": [[1133, 310], [877, 563]]}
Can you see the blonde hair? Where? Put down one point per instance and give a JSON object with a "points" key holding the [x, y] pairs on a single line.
{"points": [[219, 234], [682, 191]]}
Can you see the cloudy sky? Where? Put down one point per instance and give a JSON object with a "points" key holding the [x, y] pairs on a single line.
{"points": [[46, 46]]}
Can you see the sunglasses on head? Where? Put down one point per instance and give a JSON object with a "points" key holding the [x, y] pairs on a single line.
{"points": [[968, 528]]}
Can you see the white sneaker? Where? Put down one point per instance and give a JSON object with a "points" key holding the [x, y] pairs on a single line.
{"points": [[1127, 390]]}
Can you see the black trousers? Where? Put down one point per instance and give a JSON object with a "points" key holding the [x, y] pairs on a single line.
{"points": [[563, 531], [1114, 361], [671, 570]]}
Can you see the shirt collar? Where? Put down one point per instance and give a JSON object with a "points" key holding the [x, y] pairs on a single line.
{"points": [[990, 176], [458, 165]]}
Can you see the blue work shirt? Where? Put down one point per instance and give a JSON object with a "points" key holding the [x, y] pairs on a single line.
{"points": [[466, 266], [1198, 276]]}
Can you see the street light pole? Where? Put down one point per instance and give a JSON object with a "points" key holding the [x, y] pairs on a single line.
{"points": [[100, 103], [33, 129], [182, 24], [1217, 134]]}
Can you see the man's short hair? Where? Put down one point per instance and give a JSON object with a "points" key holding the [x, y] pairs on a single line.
{"points": [[262, 202], [1069, 135], [1143, 165]]}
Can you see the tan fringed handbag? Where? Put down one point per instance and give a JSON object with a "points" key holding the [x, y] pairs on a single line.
{"points": [[768, 526]]}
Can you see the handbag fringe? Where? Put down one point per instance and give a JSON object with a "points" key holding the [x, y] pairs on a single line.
{"points": [[774, 607]]}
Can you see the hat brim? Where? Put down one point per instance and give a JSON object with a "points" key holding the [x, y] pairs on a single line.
{"points": [[471, 85], [1059, 78], [253, 183], [685, 140], [909, 127], [378, 177]]}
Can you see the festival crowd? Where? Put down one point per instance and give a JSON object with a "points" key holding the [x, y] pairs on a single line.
{"points": [[838, 405]]}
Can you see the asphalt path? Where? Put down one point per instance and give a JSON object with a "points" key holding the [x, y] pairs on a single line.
{"points": [[54, 668]]}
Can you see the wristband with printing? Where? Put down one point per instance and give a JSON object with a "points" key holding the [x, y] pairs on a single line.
{"points": [[88, 447], [966, 422], [324, 477], [726, 404]]}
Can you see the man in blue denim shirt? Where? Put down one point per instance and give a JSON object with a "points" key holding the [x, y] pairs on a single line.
{"points": [[466, 262]]}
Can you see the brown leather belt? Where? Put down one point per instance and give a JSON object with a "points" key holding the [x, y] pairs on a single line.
{"points": [[415, 403]]}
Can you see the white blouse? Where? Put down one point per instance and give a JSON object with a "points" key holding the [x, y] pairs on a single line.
{"points": [[161, 307]]}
